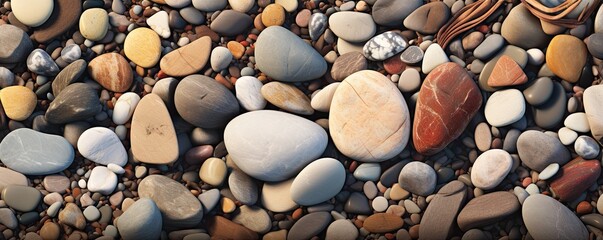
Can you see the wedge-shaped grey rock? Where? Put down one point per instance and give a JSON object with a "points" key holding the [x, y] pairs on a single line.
{"points": [[284, 56], [546, 218], [179, 207], [78, 101], [142, 220], [273, 146], [35, 153]]}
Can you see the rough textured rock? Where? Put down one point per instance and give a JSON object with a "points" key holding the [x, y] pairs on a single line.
{"points": [[447, 101], [284, 56], [368, 110], [439, 218], [487, 209], [574, 178], [204, 102]]}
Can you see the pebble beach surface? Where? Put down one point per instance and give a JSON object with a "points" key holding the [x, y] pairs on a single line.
{"points": [[301, 119]]}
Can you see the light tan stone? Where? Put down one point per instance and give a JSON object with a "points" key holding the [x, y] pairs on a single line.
{"points": [[152, 135], [369, 119], [94, 23], [213, 171], [188, 59], [18, 102], [287, 97]]}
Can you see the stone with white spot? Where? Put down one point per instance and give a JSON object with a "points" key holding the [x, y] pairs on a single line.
{"points": [[384, 46], [586, 147]]}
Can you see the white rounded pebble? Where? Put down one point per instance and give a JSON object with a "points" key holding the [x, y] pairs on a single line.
{"points": [[54, 209], [535, 56], [101, 145], [380, 204], [577, 122], [567, 136], [92, 213], [81, 183], [102, 180], [549, 171], [410, 80], [220, 58], [159, 22], [600, 204], [532, 189], [586, 147], [513, 103], [248, 92], [124, 107], [434, 56], [490, 168], [116, 168]]}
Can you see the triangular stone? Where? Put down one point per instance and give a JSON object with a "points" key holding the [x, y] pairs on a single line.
{"points": [[506, 72]]}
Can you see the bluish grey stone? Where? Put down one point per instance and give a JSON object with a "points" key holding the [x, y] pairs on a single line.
{"points": [[489, 47], [243, 188], [586, 147], [142, 220], [192, 15], [273, 146], [418, 178], [368, 172], [317, 25], [14, 44], [284, 56], [34, 153], [318, 182], [210, 199], [384, 46], [546, 218], [71, 53], [41, 63], [231, 23]]}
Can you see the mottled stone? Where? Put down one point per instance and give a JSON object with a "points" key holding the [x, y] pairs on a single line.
{"points": [[41, 63], [506, 73], [384, 46], [447, 101], [188, 59], [112, 71], [317, 25]]}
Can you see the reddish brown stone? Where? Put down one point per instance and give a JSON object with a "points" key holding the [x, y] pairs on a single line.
{"points": [[584, 207], [447, 101], [506, 72], [347, 64], [382, 223], [438, 221], [222, 228], [487, 209], [112, 71], [394, 65], [64, 15], [574, 178]]}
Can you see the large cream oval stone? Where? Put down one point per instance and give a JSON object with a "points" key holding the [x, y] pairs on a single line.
{"points": [[369, 119]]}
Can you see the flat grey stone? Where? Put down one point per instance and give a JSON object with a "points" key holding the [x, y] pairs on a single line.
{"points": [[489, 46], [142, 220], [550, 114], [537, 150], [438, 221], [243, 187], [352, 26], [231, 23], [34, 153], [284, 56], [253, 217], [546, 218], [309, 225], [78, 101], [178, 206], [393, 12]]}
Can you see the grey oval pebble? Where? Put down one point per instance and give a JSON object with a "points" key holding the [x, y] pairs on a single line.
{"points": [[539, 91]]}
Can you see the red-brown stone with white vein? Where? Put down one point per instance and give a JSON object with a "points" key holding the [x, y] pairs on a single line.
{"points": [[506, 72], [447, 101], [111, 71]]}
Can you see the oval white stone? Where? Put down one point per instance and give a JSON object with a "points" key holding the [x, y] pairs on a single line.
{"points": [[491, 168], [505, 107], [101, 145], [124, 107], [318, 182]]}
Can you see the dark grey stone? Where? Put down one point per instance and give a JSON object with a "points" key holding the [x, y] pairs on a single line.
{"points": [[78, 101], [231, 23]]}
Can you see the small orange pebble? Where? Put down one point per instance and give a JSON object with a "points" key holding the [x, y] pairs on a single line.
{"points": [[526, 181], [236, 49], [584, 207], [297, 214]]}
